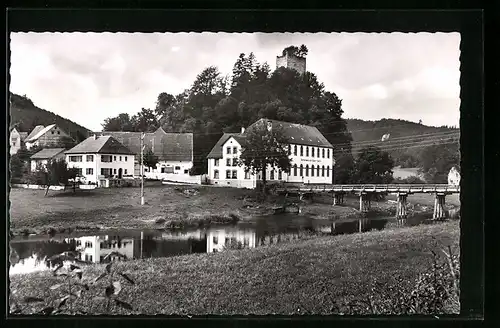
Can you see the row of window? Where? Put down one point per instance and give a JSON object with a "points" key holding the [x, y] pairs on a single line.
{"points": [[313, 153], [234, 174], [319, 170], [104, 171], [246, 240], [228, 150], [104, 158]]}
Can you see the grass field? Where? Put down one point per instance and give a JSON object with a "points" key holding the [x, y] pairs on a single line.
{"points": [[307, 276], [31, 211]]}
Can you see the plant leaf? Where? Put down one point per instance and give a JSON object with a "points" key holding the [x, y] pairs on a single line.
{"points": [[85, 286], [109, 291], [48, 310], [62, 301], [31, 299], [123, 304], [59, 266], [108, 267], [117, 286], [124, 275], [54, 287], [61, 274], [104, 274], [77, 294]]}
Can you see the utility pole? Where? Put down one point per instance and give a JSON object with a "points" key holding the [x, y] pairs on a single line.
{"points": [[142, 168]]}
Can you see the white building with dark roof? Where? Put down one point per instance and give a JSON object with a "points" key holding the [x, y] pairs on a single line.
{"points": [[42, 158], [102, 157], [310, 152], [174, 150], [16, 139]]}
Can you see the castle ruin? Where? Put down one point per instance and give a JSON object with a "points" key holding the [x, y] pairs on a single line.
{"points": [[291, 61]]}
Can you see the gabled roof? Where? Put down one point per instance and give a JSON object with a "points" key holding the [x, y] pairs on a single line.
{"points": [[166, 146], [37, 129], [48, 153], [217, 151], [23, 135], [40, 133], [297, 133], [100, 145]]}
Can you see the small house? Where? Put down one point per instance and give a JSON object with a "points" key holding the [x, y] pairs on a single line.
{"points": [[16, 138], [45, 136], [42, 158]]}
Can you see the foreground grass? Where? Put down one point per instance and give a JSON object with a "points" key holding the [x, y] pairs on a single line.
{"points": [[309, 276]]}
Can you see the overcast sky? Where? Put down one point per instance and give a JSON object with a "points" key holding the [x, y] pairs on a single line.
{"points": [[87, 77]]}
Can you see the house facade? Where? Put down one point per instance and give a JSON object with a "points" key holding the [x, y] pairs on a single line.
{"points": [[42, 158], [454, 177], [16, 139], [173, 150], [44, 136], [95, 248], [102, 157], [310, 153]]}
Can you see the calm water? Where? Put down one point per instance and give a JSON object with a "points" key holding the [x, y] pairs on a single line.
{"points": [[29, 254]]}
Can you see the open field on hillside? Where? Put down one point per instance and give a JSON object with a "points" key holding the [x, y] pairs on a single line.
{"points": [[306, 276], [120, 207]]}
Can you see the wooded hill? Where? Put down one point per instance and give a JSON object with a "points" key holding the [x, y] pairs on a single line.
{"points": [[406, 141], [25, 116]]}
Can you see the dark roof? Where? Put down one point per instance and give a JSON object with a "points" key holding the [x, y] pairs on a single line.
{"points": [[167, 146], [100, 145], [48, 153], [298, 133], [37, 129], [216, 151]]}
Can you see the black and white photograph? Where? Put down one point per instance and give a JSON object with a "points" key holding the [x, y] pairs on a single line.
{"points": [[223, 173]]}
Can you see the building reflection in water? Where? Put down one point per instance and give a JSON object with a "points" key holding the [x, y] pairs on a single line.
{"points": [[218, 239], [96, 248]]}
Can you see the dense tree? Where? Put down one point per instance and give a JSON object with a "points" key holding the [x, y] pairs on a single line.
{"points": [[437, 161], [296, 51], [149, 159], [373, 166], [265, 148], [122, 122], [16, 169], [145, 121]]}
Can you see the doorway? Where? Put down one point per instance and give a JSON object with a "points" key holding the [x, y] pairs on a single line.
{"points": [[120, 171]]}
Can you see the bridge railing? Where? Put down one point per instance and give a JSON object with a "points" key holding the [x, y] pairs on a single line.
{"points": [[375, 187]]}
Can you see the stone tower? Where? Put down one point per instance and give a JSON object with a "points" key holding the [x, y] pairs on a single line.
{"points": [[291, 61]]}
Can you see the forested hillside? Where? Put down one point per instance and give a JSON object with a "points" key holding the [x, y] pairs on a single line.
{"points": [[407, 142], [25, 116]]}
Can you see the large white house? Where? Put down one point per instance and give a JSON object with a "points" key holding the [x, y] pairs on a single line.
{"points": [[96, 248], [101, 157], [310, 152], [174, 150]]}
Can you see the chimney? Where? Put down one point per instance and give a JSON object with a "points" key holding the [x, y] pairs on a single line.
{"points": [[242, 130]]}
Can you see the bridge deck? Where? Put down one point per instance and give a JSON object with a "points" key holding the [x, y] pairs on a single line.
{"points": [[377, 188]]}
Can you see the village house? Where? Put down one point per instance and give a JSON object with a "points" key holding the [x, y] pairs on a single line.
{"points": [[454, 177], [174, 151], [42, 158], [16, 140], [310, 152], [100, 158], [95, 248], [44, 136]]}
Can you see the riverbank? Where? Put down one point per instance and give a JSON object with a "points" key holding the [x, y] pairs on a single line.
{"points": [[306, 276], [167, 206]]}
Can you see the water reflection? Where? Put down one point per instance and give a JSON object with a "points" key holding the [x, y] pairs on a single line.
{"points": [[31, 254]]}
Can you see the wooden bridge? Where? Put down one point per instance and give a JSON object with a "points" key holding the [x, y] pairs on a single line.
{"points": [[365, 192]]}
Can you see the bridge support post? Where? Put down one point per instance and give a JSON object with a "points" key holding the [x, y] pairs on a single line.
{"points": [[364, 202], [439, 208], [402, 212], [338, 198]]}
